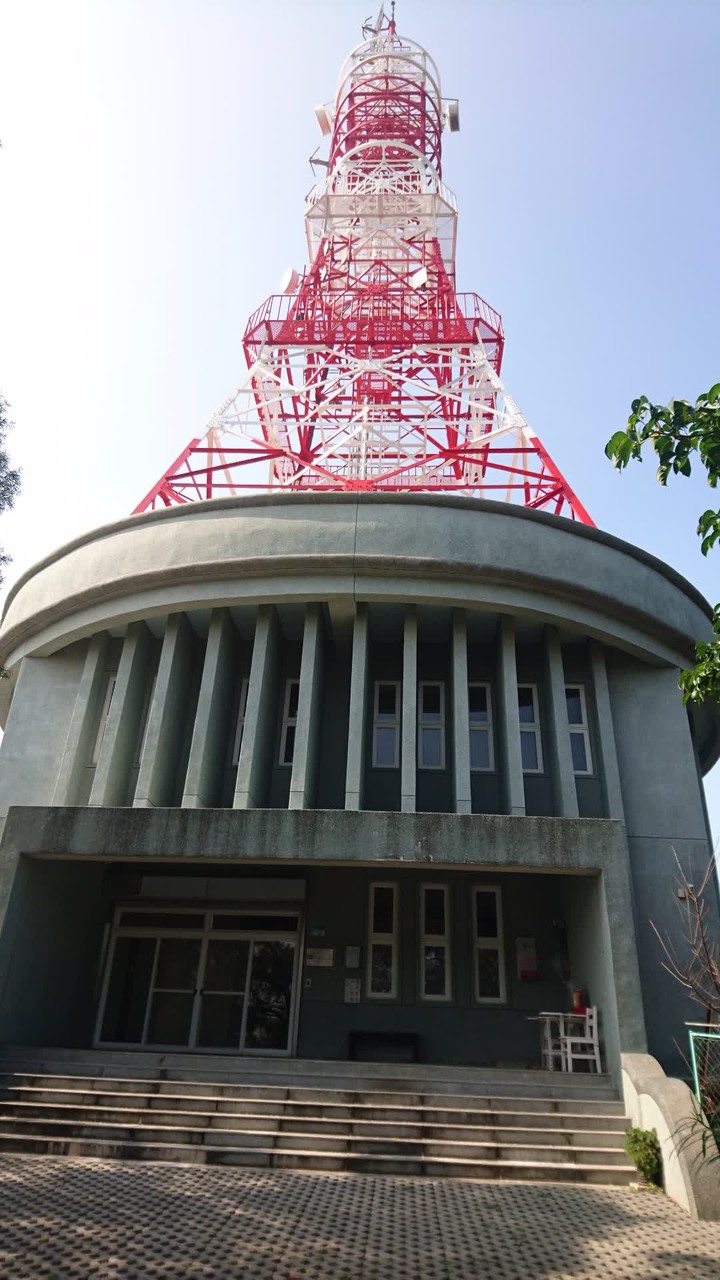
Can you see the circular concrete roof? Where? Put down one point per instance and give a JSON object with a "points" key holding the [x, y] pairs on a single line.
{"points": [[300, 546]]}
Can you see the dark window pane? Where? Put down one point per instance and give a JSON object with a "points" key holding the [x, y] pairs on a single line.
{"points": [[574, 706], [383, 914], [387, 701], [385, 744], [161, 920], [431, 745], [478, 702], [268, 1017], [126, 1002], [435, 912], [488, 973], [528, 750], [479, 748], [579, 752], [220, 1022], [289, 744], [434, 976], [381, 969], [486, 921], [293, 695], [170, 1017], [226, 965], [526, 705], [256, 923], [431, 701], [177, 965]]}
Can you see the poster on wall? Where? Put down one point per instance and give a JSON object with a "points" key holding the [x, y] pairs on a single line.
{"points": [[526, 954]]}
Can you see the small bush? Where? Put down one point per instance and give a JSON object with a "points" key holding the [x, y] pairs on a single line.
{"points": [[643, 1148]]}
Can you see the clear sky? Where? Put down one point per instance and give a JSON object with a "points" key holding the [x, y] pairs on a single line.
{"points": [[152, 178]]}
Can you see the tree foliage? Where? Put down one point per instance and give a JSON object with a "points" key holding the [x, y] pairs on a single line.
{"points": [[681, 433], [9, 477]]}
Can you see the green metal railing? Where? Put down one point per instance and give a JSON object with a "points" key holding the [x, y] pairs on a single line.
{"points": [[705, 1062]]}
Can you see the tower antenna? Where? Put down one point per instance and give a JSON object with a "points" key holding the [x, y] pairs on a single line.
{"points": [[370, 371]]}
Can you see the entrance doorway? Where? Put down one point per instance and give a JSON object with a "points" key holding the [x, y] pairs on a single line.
{"points": [[220, 980]]}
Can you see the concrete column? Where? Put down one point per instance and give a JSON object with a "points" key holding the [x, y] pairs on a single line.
{"points": [[119, 744], [83, 729], [508, 726], [307, 731], [258, 741], [562, 773], [355, 773], [609, 770], [167, 717], [408, 744], [461, 714], [210, 740]]}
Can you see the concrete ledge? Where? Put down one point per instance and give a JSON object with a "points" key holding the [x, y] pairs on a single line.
{"points": [[316, 835], [654, 1101]]}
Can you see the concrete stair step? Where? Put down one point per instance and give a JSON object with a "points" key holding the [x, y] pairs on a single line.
{"points": [[490, 1169], [374, 1098], [281, 1122], [206, 1069], [422, 1146]]}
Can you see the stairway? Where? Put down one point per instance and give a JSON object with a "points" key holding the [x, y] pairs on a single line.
{"points": [[364, 1117]]}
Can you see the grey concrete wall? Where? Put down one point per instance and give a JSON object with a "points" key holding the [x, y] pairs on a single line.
{"points": [[51, 952], [664, 818]]}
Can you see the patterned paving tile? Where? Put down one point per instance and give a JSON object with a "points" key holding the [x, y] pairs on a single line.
{"points": [[83, 1219]]}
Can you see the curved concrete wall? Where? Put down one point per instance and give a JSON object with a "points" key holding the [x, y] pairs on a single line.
{"points": [[447, 550]]}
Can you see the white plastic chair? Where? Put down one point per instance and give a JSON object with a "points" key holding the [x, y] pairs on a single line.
{"points": [[582, 1044]]}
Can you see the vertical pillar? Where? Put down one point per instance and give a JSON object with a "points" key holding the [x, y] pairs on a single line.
{"points": [[212, 721], [166, 718], [461, 714], [511, 773], [307, 732], [609, 770], [561, 766], [84, 723], [259, 733], [355, 773], [123, 723], [408, 746]]}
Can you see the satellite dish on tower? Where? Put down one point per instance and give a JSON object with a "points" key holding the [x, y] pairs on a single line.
{"points": [[290, 281], [323, 118], [451, 115]]}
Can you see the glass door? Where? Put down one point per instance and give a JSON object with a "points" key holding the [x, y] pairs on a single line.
{"points": [[213, 980], [269, 1006], [222, 994]]}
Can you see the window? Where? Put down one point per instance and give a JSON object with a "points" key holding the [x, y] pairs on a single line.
{"points": [[530, 744], [382, 942], [242, 707], [481, 740], [435, 942], [487, 932], [289, 721], [431, 725], [102, 724], [579, 731], [386, 725]]}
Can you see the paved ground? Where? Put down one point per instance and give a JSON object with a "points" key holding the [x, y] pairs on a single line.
{"points": [[72, 1219]]}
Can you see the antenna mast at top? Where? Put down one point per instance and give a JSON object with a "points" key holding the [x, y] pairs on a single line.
{"points": [[369, 371]]}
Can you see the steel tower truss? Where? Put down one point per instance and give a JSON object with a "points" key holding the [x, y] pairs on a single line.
{"points": [[370, 371]]}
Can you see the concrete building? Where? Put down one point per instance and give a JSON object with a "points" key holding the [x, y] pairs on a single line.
{"points": [[321, 774]]}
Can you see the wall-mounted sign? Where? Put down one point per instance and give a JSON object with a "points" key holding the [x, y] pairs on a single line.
{"points": [[352, 991], [352, 957], [320, 957], [526, 955], [318, 931]]}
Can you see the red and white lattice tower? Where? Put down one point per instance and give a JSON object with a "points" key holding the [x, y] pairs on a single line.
{"points": [[370, 371]]}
